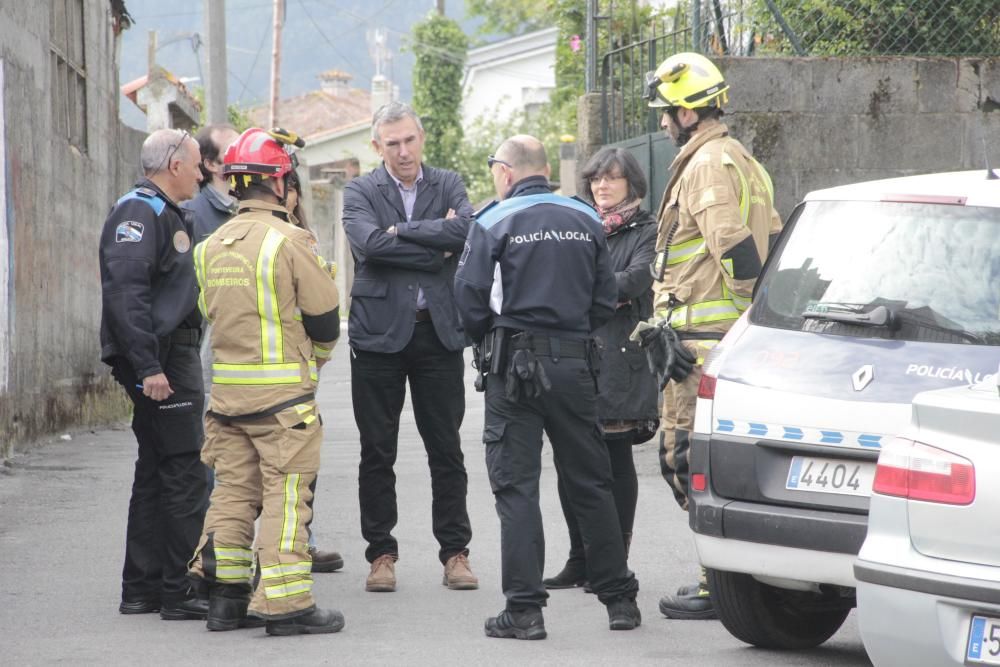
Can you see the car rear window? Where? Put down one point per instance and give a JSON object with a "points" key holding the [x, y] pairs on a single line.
{"points": [[899, 270]]}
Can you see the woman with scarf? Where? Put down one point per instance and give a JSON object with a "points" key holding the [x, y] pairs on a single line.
{"points": [[627, 401]]}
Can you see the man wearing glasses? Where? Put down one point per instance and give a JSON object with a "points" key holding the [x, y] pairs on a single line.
{"points": [[406, 222], [535, 277], [150, 330]]}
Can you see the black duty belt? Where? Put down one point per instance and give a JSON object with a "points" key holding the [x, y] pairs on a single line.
{"points": [[550, 346], [185, 337], [273, 410]]}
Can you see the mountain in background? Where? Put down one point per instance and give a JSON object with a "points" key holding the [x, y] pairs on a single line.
{"points": [[318, 35]]}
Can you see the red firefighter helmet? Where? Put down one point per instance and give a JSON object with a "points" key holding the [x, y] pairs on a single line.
{"points": [[256, 152]]}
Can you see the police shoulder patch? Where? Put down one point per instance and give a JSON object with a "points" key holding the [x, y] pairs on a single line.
{"points": [[182, 242], [129, 231]]}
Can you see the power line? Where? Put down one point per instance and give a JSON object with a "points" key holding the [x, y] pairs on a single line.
{"points": [[252, 66], [327, 39]]}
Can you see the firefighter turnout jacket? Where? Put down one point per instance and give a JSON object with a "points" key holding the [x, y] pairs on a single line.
{"points": [[273, 309], [716, 221], [147, 280]]}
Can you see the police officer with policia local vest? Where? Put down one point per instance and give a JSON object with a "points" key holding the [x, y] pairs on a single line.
{"points": [[535, 280], [715, 221], [149, 337], [274, 315]]}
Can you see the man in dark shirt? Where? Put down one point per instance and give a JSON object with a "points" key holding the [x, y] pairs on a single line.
{"points": [[535, 277], [149, 336]]}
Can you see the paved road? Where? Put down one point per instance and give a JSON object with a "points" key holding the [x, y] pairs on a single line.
{"points": [[62, 523]]}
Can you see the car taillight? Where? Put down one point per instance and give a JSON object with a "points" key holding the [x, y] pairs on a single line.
{"points": [[706, 387], [917, 471], [698, 481]]}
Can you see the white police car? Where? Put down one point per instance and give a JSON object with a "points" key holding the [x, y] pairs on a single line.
{"points": [[929, 570], [874, 292]]}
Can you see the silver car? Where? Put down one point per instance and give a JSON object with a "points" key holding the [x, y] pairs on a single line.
{"points": [[929, 570]]}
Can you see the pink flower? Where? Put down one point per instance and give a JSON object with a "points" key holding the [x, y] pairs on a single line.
{"points": [[575, 43]]}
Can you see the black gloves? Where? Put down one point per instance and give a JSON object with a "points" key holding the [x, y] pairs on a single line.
{"points": [[526, 376], [668, 358]]}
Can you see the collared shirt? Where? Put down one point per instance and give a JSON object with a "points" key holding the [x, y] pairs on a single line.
{"points": [[409, 196]]}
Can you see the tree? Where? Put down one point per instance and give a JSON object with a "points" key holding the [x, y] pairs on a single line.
{"points": [[440, 48], [511, 17], [870, 27], [235, 115]]}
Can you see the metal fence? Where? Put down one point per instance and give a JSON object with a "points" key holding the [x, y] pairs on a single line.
{"points": [[631, 38]]}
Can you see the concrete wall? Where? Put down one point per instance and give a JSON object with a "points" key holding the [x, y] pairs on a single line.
{"points": [[820, 122], [55, 198], [353, 144]]}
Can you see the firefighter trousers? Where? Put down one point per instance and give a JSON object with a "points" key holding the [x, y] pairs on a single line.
{"points": [[265, 465], [677, 424]]}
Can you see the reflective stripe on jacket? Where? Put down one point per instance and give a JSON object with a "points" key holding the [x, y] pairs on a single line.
{"points": [[715, 220], [259, 276]]}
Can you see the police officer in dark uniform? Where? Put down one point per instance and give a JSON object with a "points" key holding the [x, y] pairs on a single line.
{"points": [[149, 336], [534, 281]]}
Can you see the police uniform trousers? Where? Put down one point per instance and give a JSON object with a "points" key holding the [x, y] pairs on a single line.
{"points": [[378, 389], [170, 486], [512, 435], [268, 462], [677, 423]]}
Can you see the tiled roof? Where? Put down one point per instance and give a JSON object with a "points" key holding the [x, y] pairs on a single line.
{"points": [[319, 111]]}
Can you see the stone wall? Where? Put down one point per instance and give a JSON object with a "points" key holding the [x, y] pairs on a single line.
{"points": [[820, 122], [56, 196]]}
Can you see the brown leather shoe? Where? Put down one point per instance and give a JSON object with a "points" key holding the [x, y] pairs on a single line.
{"points": [[458, 575], [382, 578], [325, 561]]}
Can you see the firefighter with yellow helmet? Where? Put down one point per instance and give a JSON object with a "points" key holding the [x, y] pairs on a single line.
{"points": [[275, 319], [715, 221]]}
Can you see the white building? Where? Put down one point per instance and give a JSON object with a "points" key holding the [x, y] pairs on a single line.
{"points": [[511, 75]]}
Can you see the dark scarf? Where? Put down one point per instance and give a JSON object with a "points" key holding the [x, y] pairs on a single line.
{"points": [[618, 215]]}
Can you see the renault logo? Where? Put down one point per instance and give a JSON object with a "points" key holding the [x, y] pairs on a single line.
{"points": [[863, 377]]}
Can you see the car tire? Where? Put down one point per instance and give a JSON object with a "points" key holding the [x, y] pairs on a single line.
{"points": [[771, 617]]}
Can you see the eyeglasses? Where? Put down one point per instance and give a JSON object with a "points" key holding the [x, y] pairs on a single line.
{"points": [[595, 180], [491, 160], [170, 153]]}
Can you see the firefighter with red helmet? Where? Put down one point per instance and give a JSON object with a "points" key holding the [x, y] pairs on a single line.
{"points": [[274, 311]]}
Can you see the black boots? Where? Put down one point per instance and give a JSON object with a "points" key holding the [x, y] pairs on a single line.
{"points": [[227, 608], [690, 603], [188, 609], [623, 614], [315, 622], [573, 574], [527, 624]]}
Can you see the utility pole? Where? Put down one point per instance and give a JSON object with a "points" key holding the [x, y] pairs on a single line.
{"points": [[279, 20], [215, 85], [440, 7]]}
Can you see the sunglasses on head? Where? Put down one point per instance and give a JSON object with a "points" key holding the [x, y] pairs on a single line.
{"points": [[491, 160]]}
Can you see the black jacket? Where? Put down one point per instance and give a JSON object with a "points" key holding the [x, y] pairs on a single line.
{"points": [[536, 262], [209, 212], [148, 283], [390, 268], [627, 388]]}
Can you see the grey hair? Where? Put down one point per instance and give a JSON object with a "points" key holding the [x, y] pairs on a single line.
{"points": [[158, 146], [393, 112]]}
